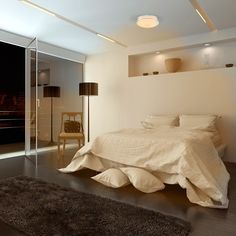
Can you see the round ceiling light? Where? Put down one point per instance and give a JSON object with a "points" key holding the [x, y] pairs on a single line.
{"points": [[147, 21]]}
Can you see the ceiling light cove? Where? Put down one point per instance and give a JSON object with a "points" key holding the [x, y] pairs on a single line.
{"points": [[105, 37], [147, 21], [40, 8], [31, 4], [201, 16]]}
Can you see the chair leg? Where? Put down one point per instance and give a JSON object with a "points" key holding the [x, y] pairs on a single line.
{"points": [[58, 147], [64, 146], [83, 141], [79, 142]]}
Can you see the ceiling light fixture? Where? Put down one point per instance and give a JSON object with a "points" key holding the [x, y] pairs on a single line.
{"points": [[158, 52], [201, 16], [31, 4], [147, 21], [207, 44]]}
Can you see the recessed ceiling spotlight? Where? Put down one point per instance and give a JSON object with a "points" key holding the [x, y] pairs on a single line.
{"points": [[207, 44], [147, 21], [157, 52]]}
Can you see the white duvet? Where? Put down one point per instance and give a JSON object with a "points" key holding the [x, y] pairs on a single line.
{"points": [[173, 155]]}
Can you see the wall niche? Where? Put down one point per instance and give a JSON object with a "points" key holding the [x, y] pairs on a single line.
{"points": [[198, 57]]}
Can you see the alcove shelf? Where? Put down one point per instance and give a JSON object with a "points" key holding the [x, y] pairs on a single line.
{"points": [[184, 73], [193, 58]]}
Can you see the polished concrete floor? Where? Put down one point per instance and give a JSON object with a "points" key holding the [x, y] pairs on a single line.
{"points": [[172, 200]]}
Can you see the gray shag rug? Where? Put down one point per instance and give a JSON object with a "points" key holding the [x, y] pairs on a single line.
{"points": [[39, 208]]}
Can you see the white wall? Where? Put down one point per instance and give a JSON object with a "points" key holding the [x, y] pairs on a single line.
{"points": [[124, 102], [67, 75], [109, 70]]}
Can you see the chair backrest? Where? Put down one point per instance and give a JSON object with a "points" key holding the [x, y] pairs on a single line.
{"points": [[71, 116]]}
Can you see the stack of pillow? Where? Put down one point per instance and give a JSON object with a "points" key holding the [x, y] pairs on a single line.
{"points": [[138, 177], [207, 123], [203, 122]]}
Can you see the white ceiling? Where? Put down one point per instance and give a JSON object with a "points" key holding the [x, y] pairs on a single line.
{"points": [[113, 18]]}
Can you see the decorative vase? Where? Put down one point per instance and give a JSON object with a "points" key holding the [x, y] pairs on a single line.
{"points": [[173, 64]]}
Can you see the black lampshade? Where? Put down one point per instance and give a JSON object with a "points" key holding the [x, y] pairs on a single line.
{"points": [[88, 88], [51, 91]]}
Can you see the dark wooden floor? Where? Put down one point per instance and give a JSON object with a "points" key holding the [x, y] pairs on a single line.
{"points": [[18, 147], [172, 200]]}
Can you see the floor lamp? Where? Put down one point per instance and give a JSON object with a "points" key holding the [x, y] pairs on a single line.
{"points": [[51, 91], [88, 89]]}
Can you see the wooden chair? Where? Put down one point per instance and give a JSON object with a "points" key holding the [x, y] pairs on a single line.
{"points": [[71, 128]]}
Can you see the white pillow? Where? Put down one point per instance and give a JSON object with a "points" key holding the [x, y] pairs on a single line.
{"points": [[112, 177], [201, 122], [153, 121], [143, 180]]}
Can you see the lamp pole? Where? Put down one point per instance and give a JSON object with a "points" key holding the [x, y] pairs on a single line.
{"points": [[51, 119], [88, 89], [51, 91], [88, 121]]}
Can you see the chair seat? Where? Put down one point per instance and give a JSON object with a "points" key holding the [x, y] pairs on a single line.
{"points": [[70, 135]]}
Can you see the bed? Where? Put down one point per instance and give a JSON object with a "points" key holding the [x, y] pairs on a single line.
{"points": [[167, 150]]}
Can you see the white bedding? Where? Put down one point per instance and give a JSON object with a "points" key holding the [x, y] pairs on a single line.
{"points": [[172, 154]]}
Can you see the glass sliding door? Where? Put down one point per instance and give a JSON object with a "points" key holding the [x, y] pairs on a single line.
{"points": [[32, 102]]}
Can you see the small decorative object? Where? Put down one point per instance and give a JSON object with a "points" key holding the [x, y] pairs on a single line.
{"points": [[155, 72], [173, 64], [229, 65], [145, 74]]}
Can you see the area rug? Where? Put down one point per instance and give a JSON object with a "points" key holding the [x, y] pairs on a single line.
{"points": [[38, 208]]}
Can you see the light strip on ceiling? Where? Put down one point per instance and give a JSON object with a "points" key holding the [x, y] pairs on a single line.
{"points": [[29, 3], [105, 37], [89, 30], [201, 16], [202, 13]]}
